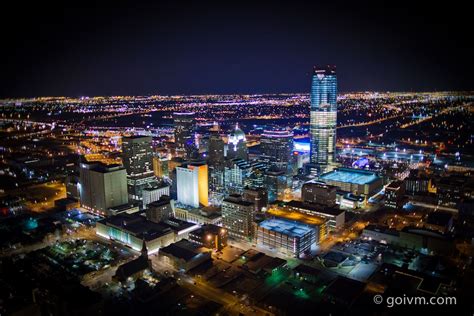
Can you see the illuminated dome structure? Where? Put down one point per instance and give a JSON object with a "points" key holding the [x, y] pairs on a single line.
{"points": [[237, 144]]}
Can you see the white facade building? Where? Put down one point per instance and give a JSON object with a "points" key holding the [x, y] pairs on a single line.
{"points": [[187, 182]]}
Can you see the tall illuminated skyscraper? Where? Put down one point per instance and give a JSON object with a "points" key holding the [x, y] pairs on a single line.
{"points": [[278, 145], [323, 117], [137, 156], [184, 130], [193, 184]]}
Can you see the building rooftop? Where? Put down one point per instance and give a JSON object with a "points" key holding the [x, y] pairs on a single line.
{"points": [[355, 176], [333, 211], [208, 228], [286, 227], [179, 226], [394, 185], [137, 225], [183, 249], [382, 229], [296, 216], [237, 199], [319, 184], [130, 268], [345, 290], [305, 269], [164, 200]]}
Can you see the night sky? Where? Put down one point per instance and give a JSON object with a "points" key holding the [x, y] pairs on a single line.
{"points": [[179, 47]]}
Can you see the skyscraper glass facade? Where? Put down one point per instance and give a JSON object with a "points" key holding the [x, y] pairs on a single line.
{"points": [[137, 157], [323, 116]]}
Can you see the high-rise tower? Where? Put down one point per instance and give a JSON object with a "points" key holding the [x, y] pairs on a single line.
{"points": [[323, 117], [184, 131], [137, 156]]}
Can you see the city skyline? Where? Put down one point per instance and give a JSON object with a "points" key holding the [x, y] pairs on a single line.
{"points": [[175, 176]]}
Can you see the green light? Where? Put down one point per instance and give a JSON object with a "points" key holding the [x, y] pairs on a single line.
{"points": [[302, 294]]}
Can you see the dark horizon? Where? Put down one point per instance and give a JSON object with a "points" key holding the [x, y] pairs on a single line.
{"points": [[121, 48]]}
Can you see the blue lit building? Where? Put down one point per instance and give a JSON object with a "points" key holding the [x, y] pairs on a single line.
{"points": [[355, 181], [323, 117]]}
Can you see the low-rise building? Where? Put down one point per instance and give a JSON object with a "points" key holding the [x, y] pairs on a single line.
{"points": [[209, 236], [185, 255], [204, 215], [160, 210], [420, 239], [335, 217], [318, 192], [125, 208], [134, 229], [290, 238], [356, 181], [439, 221]]}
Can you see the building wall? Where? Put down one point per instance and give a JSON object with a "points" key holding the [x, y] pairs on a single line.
{"points": [[193, 217], [100, 191], [160, 167], [314, 193], [203, 184], [188, 186], [154, 194], [132, 241], [287, 245], [181, 264], [238, 219]]}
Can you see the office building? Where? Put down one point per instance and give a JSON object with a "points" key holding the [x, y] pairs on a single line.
{"points": [[278, 144], [193, 184], [160, 167], [216, 155], [257, 196], [317, 192], [418, 182], [102, 186], [395, 194], [323, 117], [137, 157], [237, 145], [236, 175], [184, 130], [72, 187], [209, 236], [160, 210], [276, 184], [238, 216], [153, 193]]}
